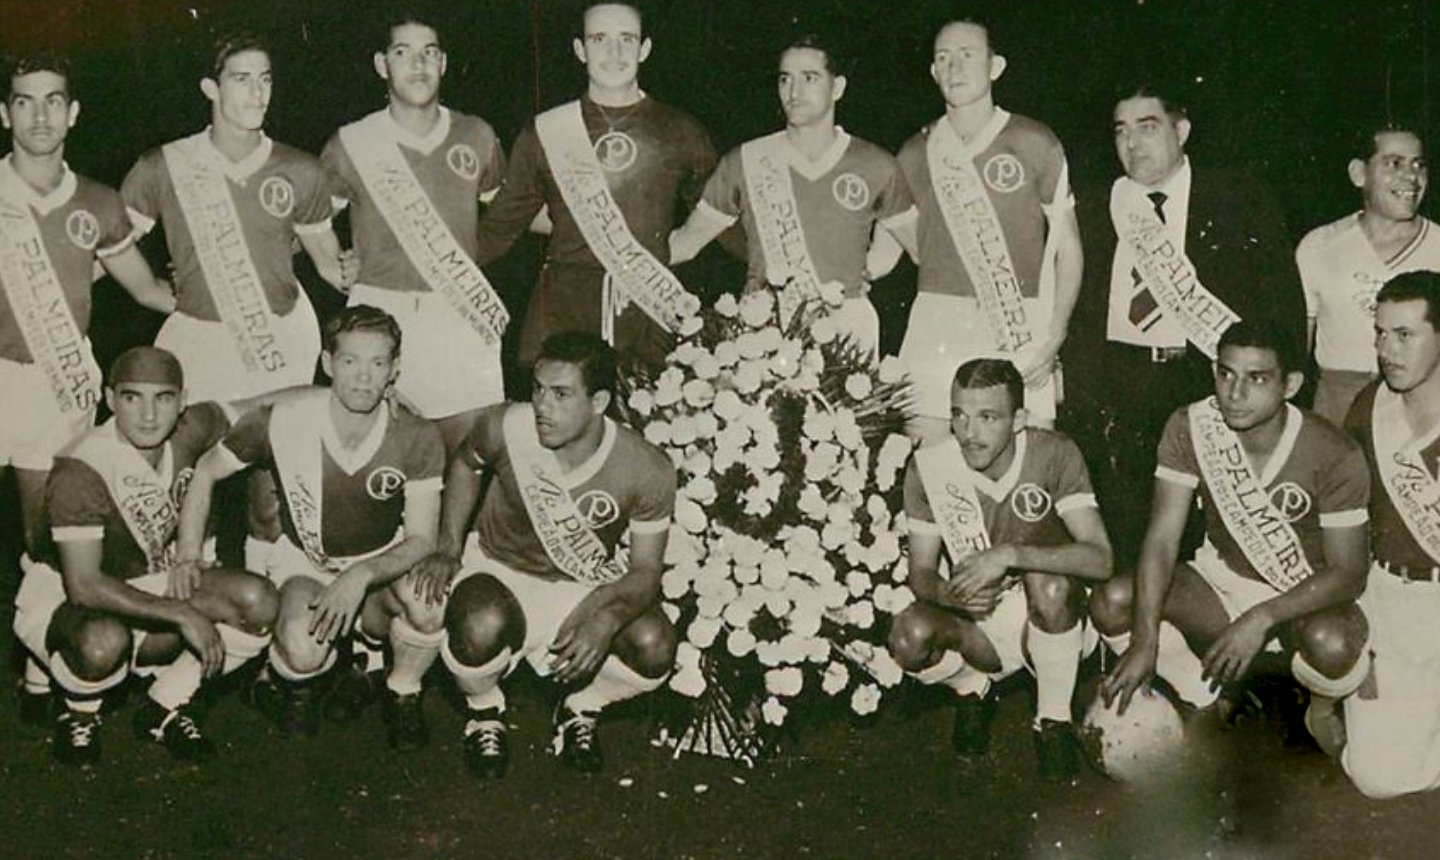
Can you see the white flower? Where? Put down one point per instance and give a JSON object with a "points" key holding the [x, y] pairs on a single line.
{"points": [[701, 490], [823, 330], [812, 504], [687, 657], [773, 711], [884, 668], [891, 370], [671, 611], [738, 614], [748, 377], [857, 583], [690, 516], [690, 325], [706, 425], [858, 385], [747, 574], [787, 682], [847, 431], [835, 535], [689, 682], [668, 387], [642, 401], [675, 582], [786, 361], [699, 393], [834, 595], [777, 604], [726, 306], [836, 678], [764, 458], [768, 653], [682, 431], [726, 353], [740, 642], [794, 647], [865, 699], [774, 573], [770, 338], [819, 425], [806, 622], [861, 614], [702, 632], [757, 308], [756, 504], [832, 293], [850, 480], [657, 433]]}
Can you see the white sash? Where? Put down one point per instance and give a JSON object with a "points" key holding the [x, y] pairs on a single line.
{"points": [[950, 487], [1412, 489], [219, 239], [141, 493], [1167, 272], [299, 459], [788, 262], [1263, 535], [432, 249], [979, 238], [51, 333], [568, 540], [640, 277]]}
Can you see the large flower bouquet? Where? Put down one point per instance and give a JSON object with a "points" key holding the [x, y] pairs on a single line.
{"points": [[785, 555]]}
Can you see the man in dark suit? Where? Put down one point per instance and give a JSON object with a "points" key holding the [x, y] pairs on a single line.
{"points": [[1180, 254]]}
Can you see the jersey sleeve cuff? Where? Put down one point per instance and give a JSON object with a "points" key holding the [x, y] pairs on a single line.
{"points": [[710, 213], [1075, 502], [424, 485], [1059, 206], [116, 248], [1174, 476], [901, 219], [1344, 519], [339, 203], [649, 527], [313, 229], [65, 534]]}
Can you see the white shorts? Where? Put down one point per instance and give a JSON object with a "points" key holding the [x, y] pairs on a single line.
{"points": [[943, 333], [34, 428], [1393, 740], [445, 366], [1005, 628], [1237, 594], [287, 561], [42, 591], [213, 369], [545, 603]]}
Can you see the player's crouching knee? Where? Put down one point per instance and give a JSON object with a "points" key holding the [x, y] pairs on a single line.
{"points": [[419, 613], [1332, 641], [97, 649], [1110, 605], [298, 649], [257, 604], [909, 641], [1051, 602], [650, 643], [477, 635]]}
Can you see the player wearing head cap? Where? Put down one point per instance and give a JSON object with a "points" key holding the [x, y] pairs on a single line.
{"points": [[107, 600]]}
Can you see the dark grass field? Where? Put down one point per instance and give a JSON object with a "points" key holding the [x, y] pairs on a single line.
{"points": [[840, 789]]}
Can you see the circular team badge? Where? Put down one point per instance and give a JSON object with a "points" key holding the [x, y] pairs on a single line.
{"points": [[616, 151], [463, 160], [850, 191], [384, 483], [1004, 173], [83, 229], [1030, 502], [1290, 500], [277, 195], [599, 508]]}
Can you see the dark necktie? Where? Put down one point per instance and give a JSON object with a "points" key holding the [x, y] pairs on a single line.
{"points": [[1143, 307]]}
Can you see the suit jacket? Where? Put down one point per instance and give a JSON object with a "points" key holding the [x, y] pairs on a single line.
{"points": [[1236, 238]]}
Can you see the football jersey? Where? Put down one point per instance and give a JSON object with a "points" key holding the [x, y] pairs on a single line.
{"points": [[838, 199], [363, 490], [626, 484], [1046, 478], [278, 191], [78, 221], [1390, 539], [1341, 274], [654, 156], [1316, 479], [80, 506], [1023, 166], [458, 163]]}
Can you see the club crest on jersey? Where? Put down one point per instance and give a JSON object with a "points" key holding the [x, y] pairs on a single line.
{"points": [[384, 483], [599, 508], [616, 151], [83, 229], [1290, 500], [463, 160], [277, 195], [850, 191], [1030, 502], [1004, 173]]}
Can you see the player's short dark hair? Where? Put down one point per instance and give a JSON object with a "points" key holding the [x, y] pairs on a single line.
{"points": [[1263, 334], [587, 351], [1170, 100], [974, 21], [1367, 140], [38, 61], [988, 373], [633, 5], [1415, 286], [364, 318], [237, 42], [402, 17], [837, 63]]}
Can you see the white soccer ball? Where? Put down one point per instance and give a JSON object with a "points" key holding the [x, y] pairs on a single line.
{"points": [[1143, 743]]}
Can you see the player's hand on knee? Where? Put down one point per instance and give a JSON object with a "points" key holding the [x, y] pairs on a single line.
{"points": [[579, 648], [1134, 669], [981, 570], [333, 610], [200, 634], [430, 578], [1230, 656], [184, 579]]}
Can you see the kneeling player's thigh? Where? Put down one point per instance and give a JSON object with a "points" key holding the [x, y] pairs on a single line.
{"points": [[237, 598]]}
